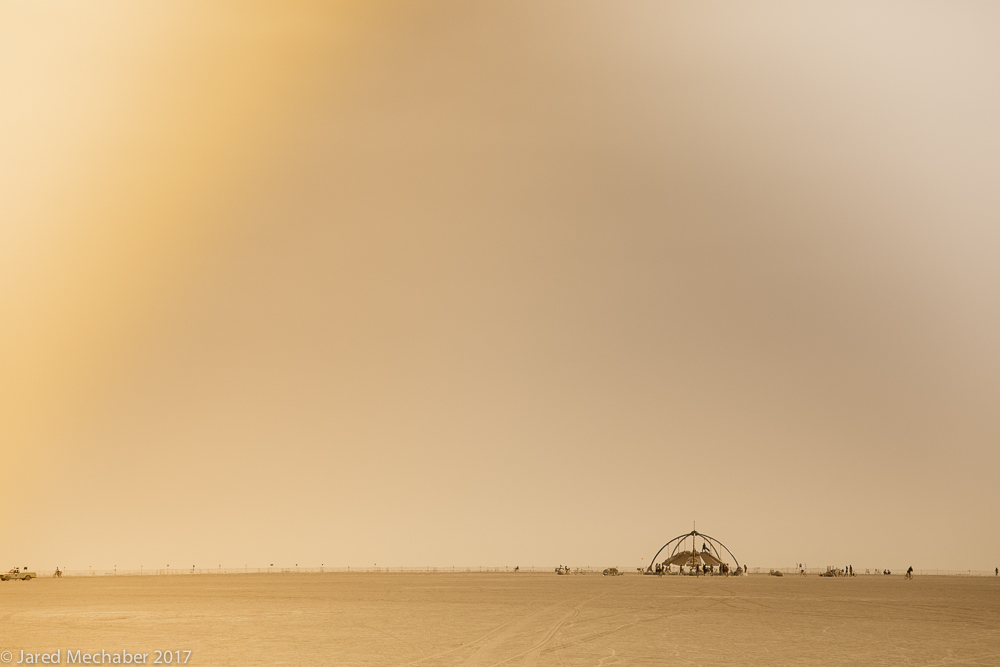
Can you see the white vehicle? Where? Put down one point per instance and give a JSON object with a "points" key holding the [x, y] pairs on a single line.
{"points": [[16, 573]]}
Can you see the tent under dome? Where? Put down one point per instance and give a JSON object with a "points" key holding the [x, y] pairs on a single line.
{"points": [[693, 558]]}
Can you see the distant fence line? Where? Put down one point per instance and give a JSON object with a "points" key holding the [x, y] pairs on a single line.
{"points": [[457, 569], [317, 570]]}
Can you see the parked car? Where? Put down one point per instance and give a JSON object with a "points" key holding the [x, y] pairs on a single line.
{"points": [[16, 573]]}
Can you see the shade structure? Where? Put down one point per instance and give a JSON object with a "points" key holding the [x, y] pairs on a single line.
{"points": [[710, 554], [691, 558]]}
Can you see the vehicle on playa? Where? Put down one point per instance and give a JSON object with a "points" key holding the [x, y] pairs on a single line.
{"points": [[16, 573], [563, 569], [611, 572]]}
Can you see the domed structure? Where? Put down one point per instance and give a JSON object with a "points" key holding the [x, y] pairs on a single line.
{"points": [[707, 560]]}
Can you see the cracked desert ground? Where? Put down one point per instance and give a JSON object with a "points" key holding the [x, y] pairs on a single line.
{"points": [[511, 619]]}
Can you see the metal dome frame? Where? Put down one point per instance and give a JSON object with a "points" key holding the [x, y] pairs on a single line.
{"points": [[713, 543]]}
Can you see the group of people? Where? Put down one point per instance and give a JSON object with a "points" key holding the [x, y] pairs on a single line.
{"points": [[697, 569]]}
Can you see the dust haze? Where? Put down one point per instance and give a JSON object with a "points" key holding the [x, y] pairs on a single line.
{"points": [[486, 284]]}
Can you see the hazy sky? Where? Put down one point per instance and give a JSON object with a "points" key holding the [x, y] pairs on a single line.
{"points": [[499, 283]]}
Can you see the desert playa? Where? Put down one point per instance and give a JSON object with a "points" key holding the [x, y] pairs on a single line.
{"points": [[512, 619]]}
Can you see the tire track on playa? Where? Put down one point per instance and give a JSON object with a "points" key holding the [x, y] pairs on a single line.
{"points": [[984, 658], [534, 651], [390, 635], [591, 636], [638, 621], [613, 656], [477, 657], [531, 654], [495, 641]]}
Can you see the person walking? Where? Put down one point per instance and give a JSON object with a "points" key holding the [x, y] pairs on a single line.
{"points": [[909, 572]]}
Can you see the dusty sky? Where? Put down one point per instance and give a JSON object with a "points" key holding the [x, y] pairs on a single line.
{"points": [[499, 283]]}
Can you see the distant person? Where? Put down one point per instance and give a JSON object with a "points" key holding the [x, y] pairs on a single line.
{"points": [[909, 572], [996, 571]]}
